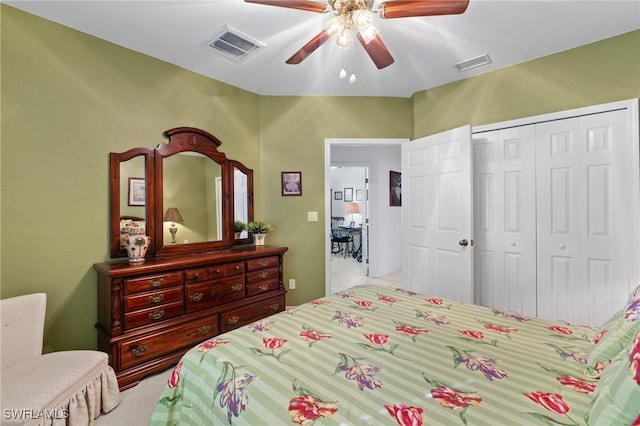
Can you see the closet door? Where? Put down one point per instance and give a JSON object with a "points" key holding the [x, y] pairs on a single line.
{"points": [[504, 219], [583, 215]]}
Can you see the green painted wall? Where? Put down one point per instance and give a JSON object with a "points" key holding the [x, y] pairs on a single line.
{"points": [[69, 99], [293, 130], [596, 73]]}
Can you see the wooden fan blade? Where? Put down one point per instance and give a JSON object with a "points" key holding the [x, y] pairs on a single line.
{"points": [[311, 6], [408, 8], [377, 51], [309, 48]]}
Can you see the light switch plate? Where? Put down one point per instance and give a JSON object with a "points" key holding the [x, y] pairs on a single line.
{"points": [[312, 216]]}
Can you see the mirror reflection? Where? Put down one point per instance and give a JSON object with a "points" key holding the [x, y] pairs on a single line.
{"points": [[132, 197], [191, 199], [240, 200]]}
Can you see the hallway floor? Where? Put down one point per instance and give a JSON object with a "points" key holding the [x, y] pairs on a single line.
{"points": [[347, 272]]}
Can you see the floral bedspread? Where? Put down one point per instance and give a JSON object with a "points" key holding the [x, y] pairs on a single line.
{"points": [[376, 355]]}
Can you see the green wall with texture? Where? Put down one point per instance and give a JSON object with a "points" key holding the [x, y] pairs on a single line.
{"points": [[69, 99], [597, 73]]}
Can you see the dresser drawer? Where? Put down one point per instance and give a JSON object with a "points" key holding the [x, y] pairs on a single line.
{"points": [[211, 272], [200, 296], [262, 287], [262, 276], [152, 315], [152, 282], [248, 314], [137, 351], [263, 263], [152, 299]]}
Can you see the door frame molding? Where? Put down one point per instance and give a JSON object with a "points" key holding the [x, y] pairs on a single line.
{"points": [[328, 144], [633, 120]]}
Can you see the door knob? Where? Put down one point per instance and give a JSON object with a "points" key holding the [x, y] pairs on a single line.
{"points": [[463, 243]]}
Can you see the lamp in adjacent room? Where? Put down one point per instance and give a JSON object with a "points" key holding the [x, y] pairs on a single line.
{"points": [[353, 208], [173, 215]]}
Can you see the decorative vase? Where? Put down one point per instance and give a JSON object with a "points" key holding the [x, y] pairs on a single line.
{"points": [[238, 235], [136, 246], [259, 239]]}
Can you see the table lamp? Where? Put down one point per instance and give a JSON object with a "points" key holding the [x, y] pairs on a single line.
{"points": [[353, 208], [173, 215]]}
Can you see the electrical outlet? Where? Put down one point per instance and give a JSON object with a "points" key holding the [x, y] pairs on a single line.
{"points": [[292, 284]]}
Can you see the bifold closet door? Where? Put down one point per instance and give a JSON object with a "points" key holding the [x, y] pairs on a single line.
{"points": [[583, 214], [504, 219]]}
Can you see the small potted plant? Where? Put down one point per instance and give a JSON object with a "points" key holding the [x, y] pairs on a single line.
{"points": [[238, 227], [259, 229]]}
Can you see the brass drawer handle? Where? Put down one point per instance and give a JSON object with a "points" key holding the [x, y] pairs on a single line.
{"points": [[237, 267], [218, 271], [155, 298], [156, 282], [156, 315], [236, 287], [263, 275], [275, 306], [263, 287], [196, 276], [139, 350], [196, 297], [233, 320], [205, 329], [264, 263]]}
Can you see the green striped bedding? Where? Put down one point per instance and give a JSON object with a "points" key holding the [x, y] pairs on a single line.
{"points": [[376, 355]]}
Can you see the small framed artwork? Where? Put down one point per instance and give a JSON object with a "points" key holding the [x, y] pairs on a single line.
{"points": [[291, 183], [337, 195], [348, 195], [395, 188], [137, 191], [358, 194]]}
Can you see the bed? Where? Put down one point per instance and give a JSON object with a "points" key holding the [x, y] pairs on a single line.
{"points": [[376, 355]]}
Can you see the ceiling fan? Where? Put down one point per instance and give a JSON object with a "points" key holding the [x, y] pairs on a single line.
{"points": [[358, 14]]}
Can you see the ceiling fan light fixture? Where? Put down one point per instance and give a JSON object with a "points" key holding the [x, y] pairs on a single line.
{"points": [[340, 29]]}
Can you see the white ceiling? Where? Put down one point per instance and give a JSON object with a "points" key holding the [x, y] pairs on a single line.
{"points": [[425, 49]]}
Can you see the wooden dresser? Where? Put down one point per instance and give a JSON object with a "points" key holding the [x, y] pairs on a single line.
{"points": [[150, 314]]}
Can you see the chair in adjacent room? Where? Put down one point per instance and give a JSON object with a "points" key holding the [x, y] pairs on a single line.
{"points": [[340, 240], [68, 387]]}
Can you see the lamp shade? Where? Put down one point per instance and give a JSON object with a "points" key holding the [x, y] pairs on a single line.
{"points": [[172, 215], [353, 208]]}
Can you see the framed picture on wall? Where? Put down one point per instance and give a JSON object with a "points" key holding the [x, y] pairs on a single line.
{"points": [[358, 194], [395, 188], [348, 195], [291, 183], [337, 195], [137, 191]]}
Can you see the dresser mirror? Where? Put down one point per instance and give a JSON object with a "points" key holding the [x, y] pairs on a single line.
{"points": [[130, 201], [193, 195]]}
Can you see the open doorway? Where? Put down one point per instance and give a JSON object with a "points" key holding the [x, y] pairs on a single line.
{"points": [[382, 227], [349, 255]]}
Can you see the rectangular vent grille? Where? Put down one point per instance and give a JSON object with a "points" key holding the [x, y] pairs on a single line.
{"points": [[234, 45], [474, 62]]}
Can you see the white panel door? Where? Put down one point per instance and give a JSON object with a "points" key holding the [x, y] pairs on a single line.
{"points": [[436, 214], [505, 219], [584, 182]]}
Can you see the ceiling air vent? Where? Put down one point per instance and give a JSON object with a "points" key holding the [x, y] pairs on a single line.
{"points": [[473, 62], [234, 45]]}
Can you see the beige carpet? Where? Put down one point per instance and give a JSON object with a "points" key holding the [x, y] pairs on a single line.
{"points": [[136, 403]]}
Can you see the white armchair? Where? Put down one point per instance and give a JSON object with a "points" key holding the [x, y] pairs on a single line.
{"points": [[58, 388]]}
